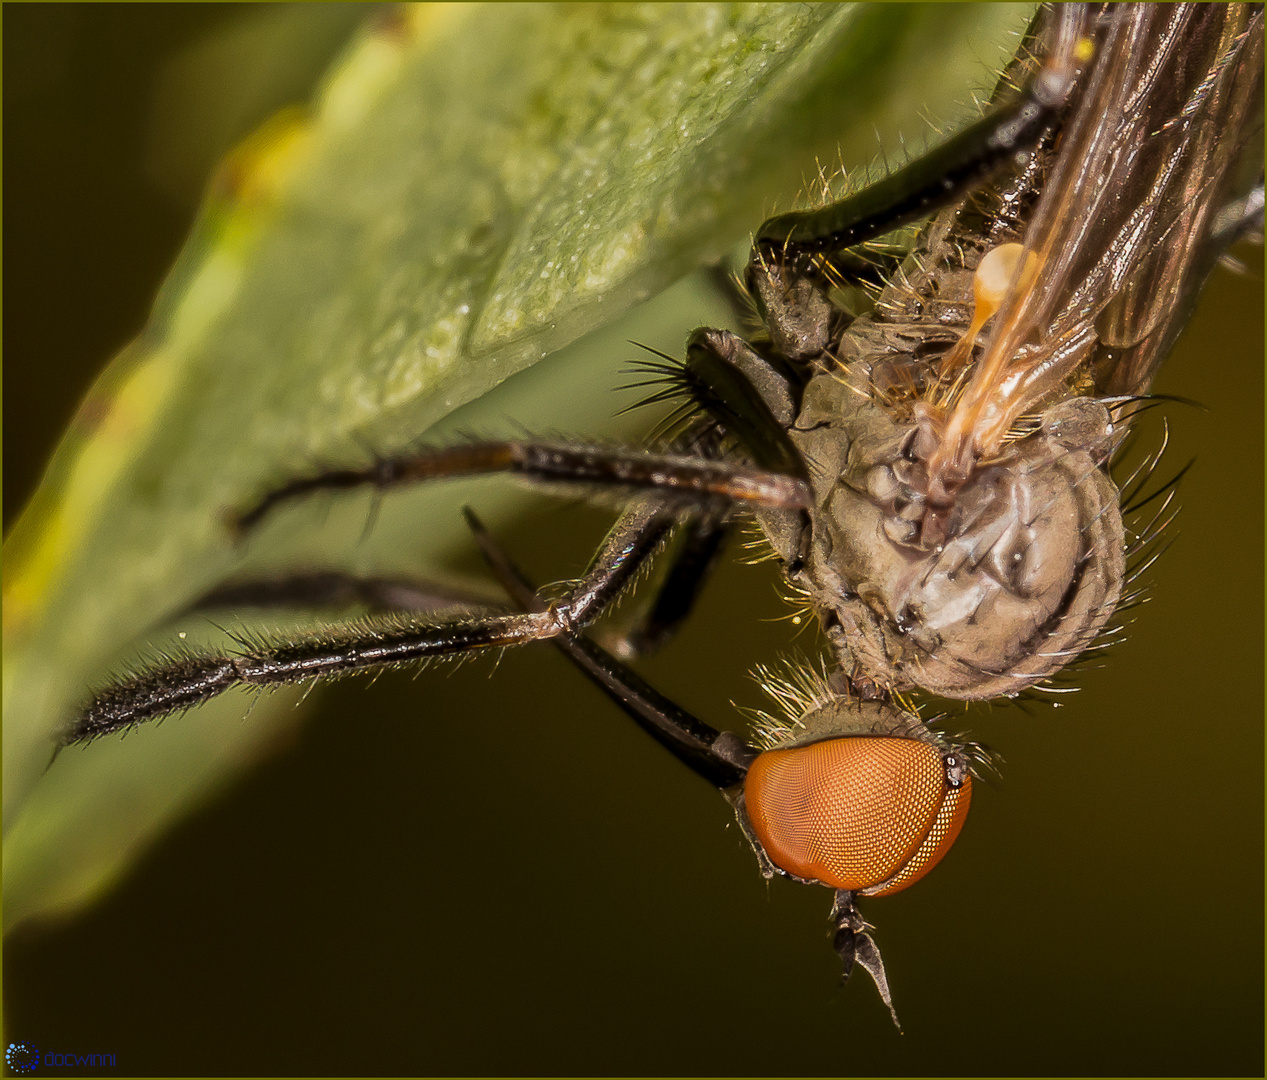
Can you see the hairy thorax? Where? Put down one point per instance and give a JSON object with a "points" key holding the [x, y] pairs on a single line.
{"points": [[1023, 569], [972, 590]]}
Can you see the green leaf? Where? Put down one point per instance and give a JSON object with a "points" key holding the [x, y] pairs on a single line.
{"points": [[473, 190]]}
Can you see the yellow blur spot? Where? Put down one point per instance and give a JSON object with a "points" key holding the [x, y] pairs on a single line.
{"points": [[375, 62], [258, 169], [99, 462]]}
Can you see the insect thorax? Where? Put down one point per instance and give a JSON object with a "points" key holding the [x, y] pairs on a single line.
{"points": [[994, 585]]}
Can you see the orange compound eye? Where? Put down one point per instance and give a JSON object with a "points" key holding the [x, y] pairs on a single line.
{"points": [[868, 814]]}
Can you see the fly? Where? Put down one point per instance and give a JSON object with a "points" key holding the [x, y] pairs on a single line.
{"points": [[924, 437]]}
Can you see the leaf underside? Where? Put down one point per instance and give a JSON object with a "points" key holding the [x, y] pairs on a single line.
{"points": [[472, 191]]}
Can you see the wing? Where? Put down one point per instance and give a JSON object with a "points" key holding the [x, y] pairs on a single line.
{"points": [[1154, 145]]}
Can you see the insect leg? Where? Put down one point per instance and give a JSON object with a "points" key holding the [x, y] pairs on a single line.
{"points": [[720, 757], [1241, 219], [187, 680], [704, 536], [747, 395], [939, 176], [559, 462], [333, 588], [689, 565], [779, 275], [751, 400]]}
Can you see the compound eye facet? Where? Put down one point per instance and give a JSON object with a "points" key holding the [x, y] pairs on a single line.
{"points": [[865, 813]]}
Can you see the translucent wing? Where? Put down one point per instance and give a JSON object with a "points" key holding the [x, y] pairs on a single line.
{"points": [[1152, 147]]}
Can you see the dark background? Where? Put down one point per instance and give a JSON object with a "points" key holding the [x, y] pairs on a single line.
{"points": [[531, 885]]}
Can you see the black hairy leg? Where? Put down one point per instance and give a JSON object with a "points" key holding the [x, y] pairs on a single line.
{"points": [[372, 644], [558, 462]]}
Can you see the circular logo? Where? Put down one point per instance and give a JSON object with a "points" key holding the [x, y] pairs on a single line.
{"points": [[21, 1057]]}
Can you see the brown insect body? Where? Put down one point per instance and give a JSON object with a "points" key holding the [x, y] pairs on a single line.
{"points": [[966, 538], [1029, 568]]}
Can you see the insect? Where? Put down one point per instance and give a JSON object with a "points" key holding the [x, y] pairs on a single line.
{"points": [[850, 648]]}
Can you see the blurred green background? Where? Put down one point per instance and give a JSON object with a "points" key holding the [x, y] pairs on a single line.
{"points": [[531, 885]]}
